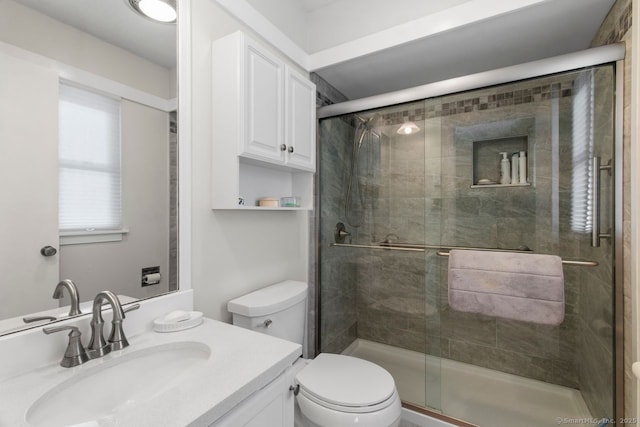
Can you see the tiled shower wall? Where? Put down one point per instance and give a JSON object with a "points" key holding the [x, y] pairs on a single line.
{"points": [[173, 200], [337, 268], [336, 319]]}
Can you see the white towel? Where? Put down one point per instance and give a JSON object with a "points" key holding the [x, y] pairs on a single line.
{"points": [[518, 286]]}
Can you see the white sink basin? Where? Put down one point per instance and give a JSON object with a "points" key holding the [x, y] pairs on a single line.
{"points": [[101, 392]]}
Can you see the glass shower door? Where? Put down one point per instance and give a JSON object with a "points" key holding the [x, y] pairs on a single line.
{"points": [[544, 204], [373, 302]]}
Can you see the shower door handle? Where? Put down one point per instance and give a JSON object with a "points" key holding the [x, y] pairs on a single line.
{"points": [[596, 235]]}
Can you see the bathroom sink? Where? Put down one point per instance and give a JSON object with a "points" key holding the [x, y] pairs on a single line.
{"points": [[98, 393]]}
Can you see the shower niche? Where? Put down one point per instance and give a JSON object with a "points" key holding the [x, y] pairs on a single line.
{"points": [[487, 158]]}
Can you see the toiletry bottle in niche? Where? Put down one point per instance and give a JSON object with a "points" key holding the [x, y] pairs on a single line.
{"points": [[514, 168], [505, 170], [523, 167]]}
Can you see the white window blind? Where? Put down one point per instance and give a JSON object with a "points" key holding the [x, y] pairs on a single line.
{"points": [[583, 146], [89, 161]]}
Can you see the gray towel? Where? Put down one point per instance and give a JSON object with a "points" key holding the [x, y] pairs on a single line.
{"points": [[518, 286]]}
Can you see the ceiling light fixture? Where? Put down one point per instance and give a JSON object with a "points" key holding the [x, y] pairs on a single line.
{"points": [[156, 10], [408, 128]]}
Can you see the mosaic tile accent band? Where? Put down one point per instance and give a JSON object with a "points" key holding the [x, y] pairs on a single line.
{"points": [[623, 25], [482, 103]]}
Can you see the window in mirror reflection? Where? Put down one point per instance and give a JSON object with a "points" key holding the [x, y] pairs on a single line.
{"points": [[89, 161]]}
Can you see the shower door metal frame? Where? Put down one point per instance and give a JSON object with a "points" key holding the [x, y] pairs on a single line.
{"points": [[618, 243], [610, 54]]}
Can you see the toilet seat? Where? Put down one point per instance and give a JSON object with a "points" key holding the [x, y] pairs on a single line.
{"points": [[346, 384]]}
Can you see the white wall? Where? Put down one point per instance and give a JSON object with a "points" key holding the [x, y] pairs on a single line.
{"points": [[289, 16], [232, 252]]}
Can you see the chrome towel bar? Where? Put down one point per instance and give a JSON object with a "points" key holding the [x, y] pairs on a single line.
{"points": [[564, 261], [444, 250]]}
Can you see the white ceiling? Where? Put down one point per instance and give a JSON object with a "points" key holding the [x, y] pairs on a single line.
{"points": [[115, 22], [539, 31], [311, 5]]}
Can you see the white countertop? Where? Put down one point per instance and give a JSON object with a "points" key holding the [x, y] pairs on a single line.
{"points": [[241, 362]]}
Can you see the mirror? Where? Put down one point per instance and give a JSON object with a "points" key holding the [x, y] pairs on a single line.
{"points": [[108, 49]]}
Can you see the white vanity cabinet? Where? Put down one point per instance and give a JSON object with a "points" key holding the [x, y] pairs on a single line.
{"points": [[263, 134], [274, 405]]}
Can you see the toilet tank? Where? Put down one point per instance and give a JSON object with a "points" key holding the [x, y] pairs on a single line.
{"points": [[279, 310]]}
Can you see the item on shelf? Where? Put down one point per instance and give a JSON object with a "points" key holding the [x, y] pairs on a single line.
{"points": [[523, 167], [290, 202], [268, 202], [485, 181], [514, 168], [505, 169]]}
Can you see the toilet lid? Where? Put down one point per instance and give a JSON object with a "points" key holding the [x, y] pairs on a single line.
{"points": [[346, 381]]}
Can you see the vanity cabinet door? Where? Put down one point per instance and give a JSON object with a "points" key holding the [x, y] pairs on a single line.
{"points": [[29, 217], [271, 406], [263, 105], [300, 120]]}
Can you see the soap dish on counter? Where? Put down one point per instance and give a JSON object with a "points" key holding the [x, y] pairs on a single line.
{"points": [[178, 320]]}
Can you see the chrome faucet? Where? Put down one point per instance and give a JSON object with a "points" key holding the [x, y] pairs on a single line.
{"points": [[76, 354], [98, 346], [73, 294]]}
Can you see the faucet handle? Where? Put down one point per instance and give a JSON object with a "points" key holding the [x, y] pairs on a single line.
{"points": [[117, 339], [75, 353], [31, 319], [131, 308]]}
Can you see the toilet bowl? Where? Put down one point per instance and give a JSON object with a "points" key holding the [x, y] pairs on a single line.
{"points": [[333, 390], [338, 390]]}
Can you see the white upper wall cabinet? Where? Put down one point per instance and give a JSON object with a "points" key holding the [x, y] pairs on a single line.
{"points": [[264, 126], [300, 120], [263, 104]]}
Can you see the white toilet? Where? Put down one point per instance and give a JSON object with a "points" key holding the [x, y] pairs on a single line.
{"points": [[335, 390]]}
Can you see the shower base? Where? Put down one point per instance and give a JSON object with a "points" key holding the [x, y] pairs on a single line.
{"points": [[473, 394]]}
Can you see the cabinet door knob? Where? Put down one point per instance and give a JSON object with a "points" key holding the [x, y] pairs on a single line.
{"points": [[283, 147], [291, 149]]}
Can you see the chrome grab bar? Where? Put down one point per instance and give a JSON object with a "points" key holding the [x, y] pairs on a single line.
{"points": [[421, 248], [444, 250], [596, 235], [395, 248]]}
